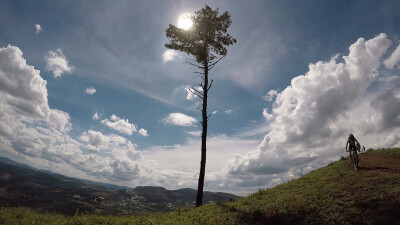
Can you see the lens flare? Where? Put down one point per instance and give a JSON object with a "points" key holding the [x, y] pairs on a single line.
{"points": [[184, 22]]}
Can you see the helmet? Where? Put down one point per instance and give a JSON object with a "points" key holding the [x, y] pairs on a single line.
{"points": [[351, 136]]}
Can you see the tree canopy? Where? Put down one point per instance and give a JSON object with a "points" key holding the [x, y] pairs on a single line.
{"points": [[207, 39]]}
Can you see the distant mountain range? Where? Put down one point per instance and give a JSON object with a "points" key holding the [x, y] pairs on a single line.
{"points": [[22, 185]]}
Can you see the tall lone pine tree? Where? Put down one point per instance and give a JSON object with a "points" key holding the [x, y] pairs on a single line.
{"points": [[205, 40]]}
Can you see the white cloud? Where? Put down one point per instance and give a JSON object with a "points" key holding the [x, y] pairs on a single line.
{"points": [[169, 55], [271, 95], [190, 95], [38, 28], [60, 120], [214, 112], [123, 160], [90, 91], [312, 117], [96, 116], [179, 119], [228, 111], [393, 59], [194, 133], [93, 138], [186, 158], [267, 115], [57, 63], [120, 124], [143, 132], [23, 90], [29, 128]]}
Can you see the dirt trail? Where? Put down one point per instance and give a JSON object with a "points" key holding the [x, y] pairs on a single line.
{"points": [[380, 163]]}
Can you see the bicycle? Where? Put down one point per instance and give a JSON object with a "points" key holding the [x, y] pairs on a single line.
{"points": [[354, 158]]}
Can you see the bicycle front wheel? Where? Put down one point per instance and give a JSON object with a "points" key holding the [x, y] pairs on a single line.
{"points": [[355, 161]]}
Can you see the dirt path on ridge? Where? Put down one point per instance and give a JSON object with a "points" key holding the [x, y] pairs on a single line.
{"points": [[380, 163]]}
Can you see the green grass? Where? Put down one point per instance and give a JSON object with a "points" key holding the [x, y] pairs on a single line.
{"points": [[335, 194]]}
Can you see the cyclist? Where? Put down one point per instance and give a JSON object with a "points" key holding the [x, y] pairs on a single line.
{"points": [[351, 145]]}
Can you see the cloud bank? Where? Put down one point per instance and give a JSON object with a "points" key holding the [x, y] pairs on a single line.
{"points": [[311, 118], [34, 133], [308, 125]]}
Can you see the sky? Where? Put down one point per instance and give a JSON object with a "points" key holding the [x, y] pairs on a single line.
{"points": [[88, 90]]}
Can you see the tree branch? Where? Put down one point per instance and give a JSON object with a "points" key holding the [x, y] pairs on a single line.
{"points": [[193, 64], [196, 92], [213, 64], [210, 85]]}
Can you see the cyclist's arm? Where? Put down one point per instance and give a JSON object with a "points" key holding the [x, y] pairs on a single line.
{"points": [[347, 143]]}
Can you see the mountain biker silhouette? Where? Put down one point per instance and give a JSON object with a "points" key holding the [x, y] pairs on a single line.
{"points": [[351, 144]]}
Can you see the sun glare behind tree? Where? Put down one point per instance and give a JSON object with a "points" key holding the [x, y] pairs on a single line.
{"points": [[184, 21]]}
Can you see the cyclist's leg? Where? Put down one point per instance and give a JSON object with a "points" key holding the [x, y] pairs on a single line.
{"points": [[352, 148], [357, 157], [351, 159]]}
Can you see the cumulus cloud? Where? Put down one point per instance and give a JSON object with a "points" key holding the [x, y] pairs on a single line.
{"points": [[388, 115], [96, 116], [143, 132], [93, 138], [311, 118], [90, 91], [179, 119], [57, 63], [120, 124], [29, 127], [38, 28], [394, 59], [60, 120], [23, 90]]}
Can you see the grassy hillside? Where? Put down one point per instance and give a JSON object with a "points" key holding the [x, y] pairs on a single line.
{"points": [[335, 194]]}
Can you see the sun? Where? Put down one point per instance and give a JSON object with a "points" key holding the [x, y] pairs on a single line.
{"points": [[184, 21]]}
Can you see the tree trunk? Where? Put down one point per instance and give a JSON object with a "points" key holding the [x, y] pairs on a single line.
{"points": [[199, 198]]}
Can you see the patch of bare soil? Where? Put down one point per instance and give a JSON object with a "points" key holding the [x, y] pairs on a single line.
{"points": [[380, 163]]}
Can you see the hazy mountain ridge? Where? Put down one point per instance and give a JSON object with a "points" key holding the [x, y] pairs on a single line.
{"points": [[23, 186]]}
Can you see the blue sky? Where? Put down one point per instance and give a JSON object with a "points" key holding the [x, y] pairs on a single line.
{"points": [[301, 77]]}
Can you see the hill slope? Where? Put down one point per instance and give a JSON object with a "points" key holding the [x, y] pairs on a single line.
{"points": [[335, 194]]}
